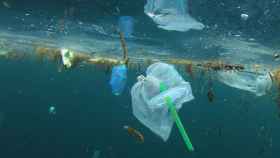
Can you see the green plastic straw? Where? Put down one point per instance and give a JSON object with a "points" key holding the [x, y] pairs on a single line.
{"points": [[177, 120]]}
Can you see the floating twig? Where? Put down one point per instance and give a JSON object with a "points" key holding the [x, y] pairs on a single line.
{"points": [[123, 44]]}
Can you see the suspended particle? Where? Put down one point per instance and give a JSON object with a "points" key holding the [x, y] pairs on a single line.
{"points": [[276, 56], [244, 16], [189, 70], [52, 110], [6, 4], [96, 154], [210, 95], [134, 133]]}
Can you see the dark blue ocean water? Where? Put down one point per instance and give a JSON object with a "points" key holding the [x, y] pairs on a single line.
{"points": [[90, 118]]}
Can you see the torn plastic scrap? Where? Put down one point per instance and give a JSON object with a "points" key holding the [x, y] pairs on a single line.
{"points": [[67, 57], [257, 84]]}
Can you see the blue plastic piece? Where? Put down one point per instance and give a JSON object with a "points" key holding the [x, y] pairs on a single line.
{"points": [[118, 79], [126, 26]]}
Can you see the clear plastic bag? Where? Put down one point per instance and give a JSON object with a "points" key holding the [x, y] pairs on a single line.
{"points": [[148, 102], [257, 84], [171, 15]]}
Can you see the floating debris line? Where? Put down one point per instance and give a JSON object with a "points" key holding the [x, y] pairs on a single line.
{"points": [[55, 54], [71, 58]]}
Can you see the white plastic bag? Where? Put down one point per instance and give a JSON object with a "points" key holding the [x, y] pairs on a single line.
{"points": [[257, 84], [148, 102], [171, 15]]}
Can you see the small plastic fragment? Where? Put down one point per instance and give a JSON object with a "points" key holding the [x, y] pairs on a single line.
{"points": [[244, 16], [67, 57]]}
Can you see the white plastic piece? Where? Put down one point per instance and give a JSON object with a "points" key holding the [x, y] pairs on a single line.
{"points": [[148, 102], [67, 57], [257, 84], [171, 15], [244, 16]]}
